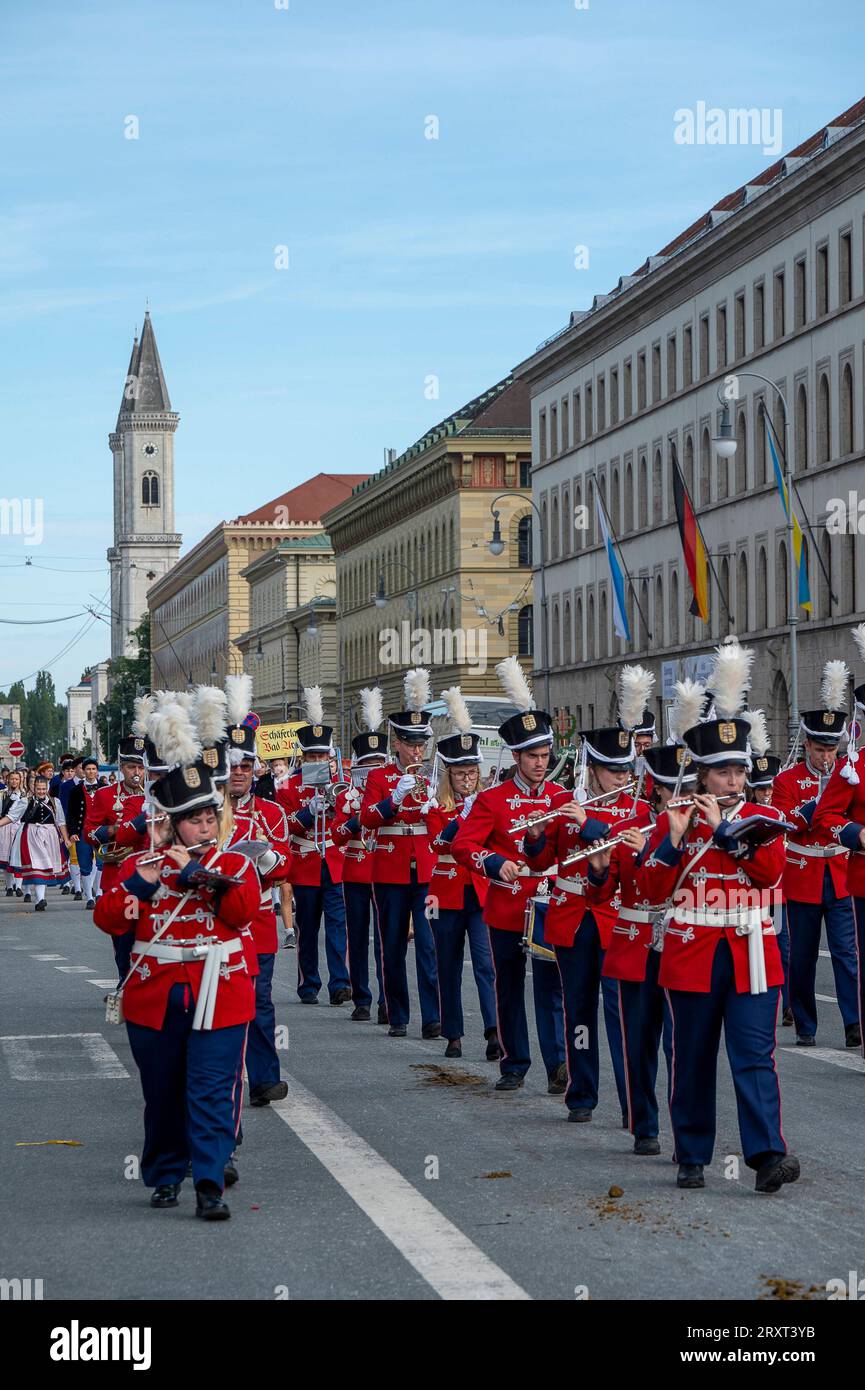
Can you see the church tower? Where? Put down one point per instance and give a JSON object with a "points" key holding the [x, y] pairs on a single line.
{"points": [[142, 443]]}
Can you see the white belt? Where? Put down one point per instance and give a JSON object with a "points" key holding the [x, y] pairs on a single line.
{"points": [[309, 846], [637, 914], [446, 859], [570, 885], [403, 830], [358, 845], [747, 921], [816, 851], [215, 955]]}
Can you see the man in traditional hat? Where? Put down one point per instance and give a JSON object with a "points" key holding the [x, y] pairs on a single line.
{"points": [[116, 823], [79, 800]]}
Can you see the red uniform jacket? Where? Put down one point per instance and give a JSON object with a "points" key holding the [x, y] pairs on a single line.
{"points": [[397, 845], [840, 815], [203, 918], [631, 938], [449, 879], [305, 863], [803, 876], [356, 843], [100, 811], [563, 837], [721, 880], [263, 820], [483, 843]]}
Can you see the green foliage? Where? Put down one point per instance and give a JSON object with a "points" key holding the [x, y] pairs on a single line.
{"points": [[129, 676]]}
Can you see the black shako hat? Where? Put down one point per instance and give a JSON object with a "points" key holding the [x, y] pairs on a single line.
{"points": [[614, 747], [459, 748], [411, 724], [765, 768], [824, 725], [152, 761], [131, 749], [646, 724], [719, 741], [369, 745], [527, 730], [186, 789], [241, 739], [314, 738], [663, 761]]}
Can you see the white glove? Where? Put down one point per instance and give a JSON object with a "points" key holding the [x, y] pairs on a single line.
{"points": [[467, 805], [405, 785], [316, 804]]}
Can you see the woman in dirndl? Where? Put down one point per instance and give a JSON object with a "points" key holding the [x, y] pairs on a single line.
{"points": [[40, 848], [14, 792]]}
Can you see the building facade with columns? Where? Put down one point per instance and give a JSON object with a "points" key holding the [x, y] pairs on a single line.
{"points": [[417, 535], [770, 281]]}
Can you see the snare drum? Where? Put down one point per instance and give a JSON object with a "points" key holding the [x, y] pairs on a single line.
{"points": [[534, 942]]}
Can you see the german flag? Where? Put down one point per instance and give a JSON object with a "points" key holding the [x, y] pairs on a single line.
{"points": [[692, 544]]}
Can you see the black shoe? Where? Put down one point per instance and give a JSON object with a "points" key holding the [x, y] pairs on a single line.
{"points": [[308, 999], [806, 1040], [777, 1170], [40, 906], [19, 892], [342, 996], [210, 1206], [360, 1014], [494, 1049], [557, 1083], [91, 903], [65, 889], [165, 1195], [10, 892], [231, 1175], [79, 896], [690, 1175], [853, 1035], [28, 898], [431, 1030], [646, 1148], [579, 1117], [397, 1031], [265, 1094], [382, 1014], [509, 1082], [454, 1048]]}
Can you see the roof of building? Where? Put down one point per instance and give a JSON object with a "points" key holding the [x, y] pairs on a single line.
{"points": [[731, 203], [144, 390], [308, 501]]}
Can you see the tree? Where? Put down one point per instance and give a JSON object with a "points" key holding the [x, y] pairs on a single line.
{"points": [[128, 676]]}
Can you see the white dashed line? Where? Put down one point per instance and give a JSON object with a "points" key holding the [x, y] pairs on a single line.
{"points": [[75, 969], [103, 984], [826, 998], [48, 958], [61, 1057], [851, 1061]]}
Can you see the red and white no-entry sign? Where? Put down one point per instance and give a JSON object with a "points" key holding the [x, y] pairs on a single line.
{"points": [[16, 749]]}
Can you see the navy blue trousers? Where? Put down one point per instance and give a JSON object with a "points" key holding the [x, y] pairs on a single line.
{"points": [[859, 920], [358, 912], [189, 1080], [784, 948], [262, 1062], [549, 1013], [805, 923], [451, 929], [645, 1019], [398, 905], [749, 1022], [310, 903], [580, 968], [509, 966]]}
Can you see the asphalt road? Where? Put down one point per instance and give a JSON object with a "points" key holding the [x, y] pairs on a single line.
{"points": [[389, 1172]]}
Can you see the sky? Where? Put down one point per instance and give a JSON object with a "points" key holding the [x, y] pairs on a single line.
{"points": [[304, 124]]}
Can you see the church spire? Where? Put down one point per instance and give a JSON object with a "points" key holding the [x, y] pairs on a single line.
{"points": [[145, 390]]}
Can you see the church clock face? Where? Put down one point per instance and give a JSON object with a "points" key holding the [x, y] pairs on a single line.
{"points": [[150, 451]]}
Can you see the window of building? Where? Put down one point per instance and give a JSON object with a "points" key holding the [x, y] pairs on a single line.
{"points": [[577, 525], [150, 490], [761, 592], [525, 473], [542, 436], [705, 468], [524, 542], [704, 345], [554, 431], [741, 454], [658, 620], [577, 418], [525, 632], [671, 364], [739, 326], [824, 425], [778, 314], [846, 433], [590, 629], [742, 621], [674, 609], [557, 637], [602, 404], [578, 631], [615, 502], [759, 443], [603, 625], [721, 336], [590, 426], [614, 396], [565, 430], [656, 371], [845, 268], [657, 489], [643, 489], [782, 591], [799, 293], [641, 381], [822, 286], [759, 316], [555, 534], [628, 390], [566, 635], [801, 455], [687, 355], [689, 463], [628, 516]]}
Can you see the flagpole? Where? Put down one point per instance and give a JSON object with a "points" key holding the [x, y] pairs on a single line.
{"points": [[675, 456], [600, 498], [833, 597]]}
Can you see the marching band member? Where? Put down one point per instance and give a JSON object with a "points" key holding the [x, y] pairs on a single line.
{"points": [[245, 818], [369, 749], [815, 878], [316, 862], [486, 843], [188, 997], [840, 813], [402, 862], [457, 896], [36, 854], [113, 824], [14, 792], [720, 965], [765, 767], [580, 934], [76, 814]]}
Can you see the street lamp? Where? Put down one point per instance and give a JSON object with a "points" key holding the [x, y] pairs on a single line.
{"points": [[725, 447], [496, 547], [380, 597]]}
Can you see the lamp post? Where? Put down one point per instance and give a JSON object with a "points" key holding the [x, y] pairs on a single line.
{"points": [[380, 598], [725, 447], [496, 547]]}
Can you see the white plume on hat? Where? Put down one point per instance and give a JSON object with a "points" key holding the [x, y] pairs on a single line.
{"points": [[418, 691], [174, 735], [313, 703], [635, 690], [758, 738], [238, 690], [686, 708], [730, 680], [858, 635], [210, 709], [371, 706], [515, 685], [458, 710], [833, 690], [143, 707]]}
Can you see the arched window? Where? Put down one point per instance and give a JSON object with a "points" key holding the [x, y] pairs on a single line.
{"points": [[724, 611], [761, 593], [741, 454], [674, 609], [556, 643], [824, 429], [644, 615], [741, 611], [525, 632], [658, 619], [590, 512], [824, 591], [848, 574], [150, 490], [555, 534], [657, 489], [644, 493], [847, 409], [590, 629], [566, 635], [579, 532], [801, 457], [578, 631], [705, 469], [628, 518], [689, 463], [615, 504], [603, 635], [545, 534], [759, 443], [567, 522], [779, 712], [524, 542], [781, 586]]}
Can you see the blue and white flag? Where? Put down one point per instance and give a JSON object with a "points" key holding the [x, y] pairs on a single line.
{"points": [[621, 627]]}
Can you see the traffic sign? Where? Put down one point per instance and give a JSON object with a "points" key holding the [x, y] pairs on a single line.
{"points": [[16, 749], [252, 720]]}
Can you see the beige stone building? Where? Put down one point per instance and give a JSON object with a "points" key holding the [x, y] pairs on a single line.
{"points": [[769, 281], [416, 534]]}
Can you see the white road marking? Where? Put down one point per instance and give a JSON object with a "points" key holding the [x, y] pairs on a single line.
{"points": [[851, 1060], [61, 1057], [103, 984], [75, 969], [826, 998], [49, 958], [827, 954], [439, 1251]]}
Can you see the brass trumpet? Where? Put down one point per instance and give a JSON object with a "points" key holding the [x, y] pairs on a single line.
{"points": [[422, 780]]}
